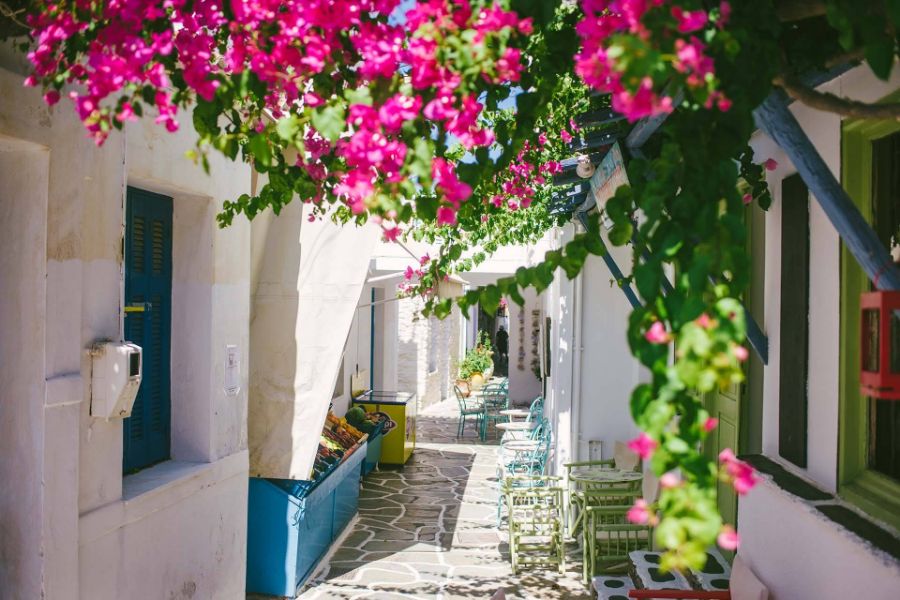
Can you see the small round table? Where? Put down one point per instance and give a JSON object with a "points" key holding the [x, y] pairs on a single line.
{"points": [[515, 413], [516, 426], [591, 475]]}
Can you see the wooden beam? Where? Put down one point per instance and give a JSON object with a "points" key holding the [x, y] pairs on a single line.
{"points": [[647, 126], [777, 121]]}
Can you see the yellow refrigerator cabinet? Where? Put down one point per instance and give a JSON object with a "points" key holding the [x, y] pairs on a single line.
{"points": [[398, 443]]}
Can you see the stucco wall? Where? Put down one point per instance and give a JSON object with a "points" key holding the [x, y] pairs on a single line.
{"points": [[23, 214], [523, 385], [799, 554], [66, 229], [594, 371]]}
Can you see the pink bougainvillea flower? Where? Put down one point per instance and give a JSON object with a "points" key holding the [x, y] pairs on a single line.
{"points": [[747, 198], [446, 216], [724, 13], [643, 445], [424, 260], [408, 273], [669, 480], [390, 233], [689, 21], [312, 99], [643, 103], [704, 321], [728, 538], [443, 173], [710, 423], [639, 513], [565, 136], [51, 97], [657, 333], [741, 353], [771, 164], [741, 475]]}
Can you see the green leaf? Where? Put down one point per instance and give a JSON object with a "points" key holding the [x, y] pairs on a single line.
{"points": [[329, 122], [258, 148], [620, 234], [880, 55], [490, 299], [647, 279], [288, 127], [361, 95]]}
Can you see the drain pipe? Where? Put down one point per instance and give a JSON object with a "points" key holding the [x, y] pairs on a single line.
{"points": [[578, 346]]}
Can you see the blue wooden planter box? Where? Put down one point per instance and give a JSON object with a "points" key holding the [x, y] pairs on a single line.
{"points": [[291, 525]]}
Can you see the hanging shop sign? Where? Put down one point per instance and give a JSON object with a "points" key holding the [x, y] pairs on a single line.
{"points": [[609, 176]]}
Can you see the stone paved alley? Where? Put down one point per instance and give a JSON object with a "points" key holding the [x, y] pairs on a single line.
{"points": [[428, 531]]}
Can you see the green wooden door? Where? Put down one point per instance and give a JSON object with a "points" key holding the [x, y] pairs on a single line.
{"points": [[148, 285], [726, 407]]}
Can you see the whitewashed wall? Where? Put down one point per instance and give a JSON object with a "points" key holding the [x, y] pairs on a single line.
{"points": [[73, 526], [523, 385], [795, 551], [593, 370]]}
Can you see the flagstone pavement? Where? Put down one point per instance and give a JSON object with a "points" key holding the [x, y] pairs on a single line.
{"points": [[429, 530]]}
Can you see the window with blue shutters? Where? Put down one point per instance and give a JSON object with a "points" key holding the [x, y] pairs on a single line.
{"points": [[148, 316]]}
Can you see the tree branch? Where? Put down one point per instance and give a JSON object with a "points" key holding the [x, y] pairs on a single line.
{"points": [[836, 104], [797, 10]]}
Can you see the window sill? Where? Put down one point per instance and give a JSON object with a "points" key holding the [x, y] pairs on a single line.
{"points": [[876, 495], [157, 488], [828, 506]]}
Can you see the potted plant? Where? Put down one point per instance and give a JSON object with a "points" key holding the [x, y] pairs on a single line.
{"points": [[477, 365]]}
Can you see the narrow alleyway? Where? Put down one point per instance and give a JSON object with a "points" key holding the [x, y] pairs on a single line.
{"points": [[428, 531]]}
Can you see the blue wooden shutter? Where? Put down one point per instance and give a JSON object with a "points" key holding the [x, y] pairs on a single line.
{"points": [[148, 281]]}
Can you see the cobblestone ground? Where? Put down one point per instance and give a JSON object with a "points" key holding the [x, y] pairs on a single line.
{"points": [[429, 530]]}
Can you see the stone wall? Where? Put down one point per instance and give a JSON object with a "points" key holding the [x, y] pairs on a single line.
{"points": [[427, 351]]}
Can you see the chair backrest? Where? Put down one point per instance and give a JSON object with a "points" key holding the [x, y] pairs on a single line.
{"points": [[460, 397], [626, 460], [536, 410]]}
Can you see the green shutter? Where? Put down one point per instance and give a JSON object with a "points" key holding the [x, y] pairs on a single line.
{"points": [[148, 281], [793, 411]]}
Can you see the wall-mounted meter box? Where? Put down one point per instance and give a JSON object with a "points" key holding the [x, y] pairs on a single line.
{"points": [[115, 379]]}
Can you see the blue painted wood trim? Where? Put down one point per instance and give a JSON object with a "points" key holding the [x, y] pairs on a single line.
{"points": [[777, 121], [758, 340], [614, 268]]}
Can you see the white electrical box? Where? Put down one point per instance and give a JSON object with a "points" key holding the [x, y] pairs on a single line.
{"points": [[115, 379]]}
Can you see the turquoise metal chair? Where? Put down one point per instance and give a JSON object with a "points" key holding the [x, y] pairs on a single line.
{"points": [[468, 407], [494, 399], [529, 463], [520, 430]]}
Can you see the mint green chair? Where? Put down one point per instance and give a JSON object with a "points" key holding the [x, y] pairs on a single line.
{"points": [[536, 514], [608, 536], [578, 492]]}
